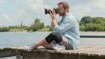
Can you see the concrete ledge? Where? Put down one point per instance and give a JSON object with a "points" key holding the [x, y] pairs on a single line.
{"points": [[84, 52], [7, 52]]}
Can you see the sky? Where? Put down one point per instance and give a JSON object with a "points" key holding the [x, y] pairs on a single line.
{"points": [[13, 12]]}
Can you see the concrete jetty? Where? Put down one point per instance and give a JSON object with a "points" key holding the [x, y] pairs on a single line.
{"points": [[84, 52]]}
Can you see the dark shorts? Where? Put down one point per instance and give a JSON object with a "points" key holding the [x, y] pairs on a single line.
{"points": [[54, 36]]}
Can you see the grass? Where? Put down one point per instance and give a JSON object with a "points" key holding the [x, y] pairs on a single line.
{"points": [[23, 30], [44, 30], [17, 30]]}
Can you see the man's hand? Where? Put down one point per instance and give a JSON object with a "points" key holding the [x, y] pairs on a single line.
{"points": [[53, 15]]}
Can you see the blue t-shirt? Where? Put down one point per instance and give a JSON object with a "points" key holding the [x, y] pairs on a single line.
{"points": [[69, 27]]}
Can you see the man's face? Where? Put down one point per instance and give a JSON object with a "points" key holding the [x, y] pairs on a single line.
{"points": [[61, 10]]}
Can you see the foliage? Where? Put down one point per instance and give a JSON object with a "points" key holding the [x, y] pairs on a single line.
{"points": [[4, 29], [36, 25], [88, 23]]}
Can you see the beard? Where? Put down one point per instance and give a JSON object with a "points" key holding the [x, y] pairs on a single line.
{"points": [[60, 14]]}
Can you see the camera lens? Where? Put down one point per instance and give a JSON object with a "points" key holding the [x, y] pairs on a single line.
{"points": [[47, 11]]}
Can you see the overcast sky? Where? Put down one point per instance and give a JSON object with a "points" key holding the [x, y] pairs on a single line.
{"points": [[13, 12]]}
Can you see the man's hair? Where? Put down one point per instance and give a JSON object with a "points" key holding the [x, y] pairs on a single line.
{"points": [[65, 5]]}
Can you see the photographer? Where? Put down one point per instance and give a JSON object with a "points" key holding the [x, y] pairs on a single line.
{"points": [[66, 34]]}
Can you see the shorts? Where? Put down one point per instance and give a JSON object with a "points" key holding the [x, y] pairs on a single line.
{"points": [[57, 38]]}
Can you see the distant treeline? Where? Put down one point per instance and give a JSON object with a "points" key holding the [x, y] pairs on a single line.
{"points": [[33, 27], [87, 23]]}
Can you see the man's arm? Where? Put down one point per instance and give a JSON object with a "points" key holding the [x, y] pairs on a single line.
{"points": [[53, 17], [54, 23], [62, 28], [65, 26]]}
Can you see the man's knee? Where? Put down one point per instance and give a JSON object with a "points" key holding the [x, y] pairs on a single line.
{"points": [[49, 38], [56, 36]]}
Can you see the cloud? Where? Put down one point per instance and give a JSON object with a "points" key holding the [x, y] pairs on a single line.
{"points": [[33, 5], [6, 20], [92, 8], [1, 2], [34, 9], [24, 17], [30, 10], [26, 11], [21, 14]]}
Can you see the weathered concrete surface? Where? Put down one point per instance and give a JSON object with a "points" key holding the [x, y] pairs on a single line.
{"points": [[7, 52], [84, 52]]}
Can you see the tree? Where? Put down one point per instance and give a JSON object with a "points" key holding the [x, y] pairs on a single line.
{"points": [[4, 29], [88, 23], [50, 28], [37, 25], [86, 20]]}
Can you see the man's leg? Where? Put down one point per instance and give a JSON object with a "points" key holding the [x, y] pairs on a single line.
{"points": [[59, 39], [43, 42], [54, 36], [49, 46], [66, 43]]}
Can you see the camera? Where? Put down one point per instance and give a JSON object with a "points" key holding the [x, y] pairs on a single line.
{"points": [[47, 11]]}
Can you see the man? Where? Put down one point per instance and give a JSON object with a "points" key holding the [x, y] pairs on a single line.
{"points": [[66, 32]]}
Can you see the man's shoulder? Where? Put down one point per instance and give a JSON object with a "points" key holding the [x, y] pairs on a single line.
{"points": [[70, 17]]}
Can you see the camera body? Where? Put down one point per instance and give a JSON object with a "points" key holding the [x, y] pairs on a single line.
{"points": [[47, 11]]}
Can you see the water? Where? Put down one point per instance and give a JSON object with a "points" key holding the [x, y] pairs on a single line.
{"points": [[13, 39]]}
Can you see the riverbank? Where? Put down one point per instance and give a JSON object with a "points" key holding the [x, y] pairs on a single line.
{"points": [[40, 30], [24, 30]]}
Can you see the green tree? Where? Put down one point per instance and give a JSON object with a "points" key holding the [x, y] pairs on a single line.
{"points": [[50, 28], [88, 23], [4, 29], [37, 25], [86, 20]]}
